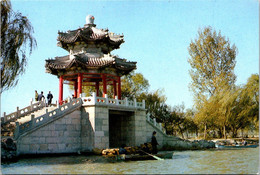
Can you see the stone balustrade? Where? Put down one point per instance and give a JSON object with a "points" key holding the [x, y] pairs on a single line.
{"points": [[34, 106], [154, 123], [94, 100], [48, 116]]}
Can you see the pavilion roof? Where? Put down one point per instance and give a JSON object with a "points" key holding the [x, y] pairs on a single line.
{"points": [[89, 33], [64, 63]]}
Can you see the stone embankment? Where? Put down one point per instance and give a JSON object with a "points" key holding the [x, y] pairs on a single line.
{"points": [[189, 145]]}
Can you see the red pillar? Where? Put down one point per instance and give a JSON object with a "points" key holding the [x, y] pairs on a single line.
{"points": [[114, 86], [75, 88], [61, 90], [97, 88], [79, 84], [104, 80], [119, 88]]}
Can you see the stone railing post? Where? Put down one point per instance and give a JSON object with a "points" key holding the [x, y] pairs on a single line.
{"points": [[17, 111], [94, 97], [106, 97], [116, 98], [46, 111], [143, 103], [17, 130], [154, 121], [160, 126], [44, 102], [31, 104], [32, 119], [5, 118], [135, 105], [126, 101]]}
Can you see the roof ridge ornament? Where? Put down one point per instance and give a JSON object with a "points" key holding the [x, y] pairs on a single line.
{"points": [[90, 21]]}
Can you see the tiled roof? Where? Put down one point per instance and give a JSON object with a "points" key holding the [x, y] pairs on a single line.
{"points": [[87, 34], [62, 63]]}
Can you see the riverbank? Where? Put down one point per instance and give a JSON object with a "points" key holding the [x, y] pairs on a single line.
{"points": [[237, 141]]}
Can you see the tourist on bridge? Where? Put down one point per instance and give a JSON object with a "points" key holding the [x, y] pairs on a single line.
{"points": [[49, 97], [41, 96], [154, 143], [36, 95]]}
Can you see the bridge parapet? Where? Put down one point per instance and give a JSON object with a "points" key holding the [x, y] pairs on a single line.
{"points": [[22, 112], [154, 123], [48, 116]]}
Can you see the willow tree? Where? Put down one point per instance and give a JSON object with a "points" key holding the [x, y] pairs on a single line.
{"points": [[212, 61], [16, 41]]}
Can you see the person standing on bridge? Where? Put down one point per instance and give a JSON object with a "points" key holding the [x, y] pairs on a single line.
{"points": [[154, 143], [36, 95], [49, 97], [40, 96]]}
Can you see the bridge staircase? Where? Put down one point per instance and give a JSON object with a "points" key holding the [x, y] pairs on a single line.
{"points": [[8, 122]]}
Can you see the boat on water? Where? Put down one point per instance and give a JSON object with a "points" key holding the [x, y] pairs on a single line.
{"points": [[236, 146], [136, 157]]}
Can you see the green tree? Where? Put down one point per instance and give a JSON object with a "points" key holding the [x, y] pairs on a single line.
{"points": [[133, 85], [190, 125], [16, 37], [212, 61], [178, 117], [156, 106], [251, 93]]}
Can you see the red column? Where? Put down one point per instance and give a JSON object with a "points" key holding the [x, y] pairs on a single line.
{"points": [[119, 88], [75, 89], [61, 90], [104, 80], [114, 86], [79, 84], [97, 88]]}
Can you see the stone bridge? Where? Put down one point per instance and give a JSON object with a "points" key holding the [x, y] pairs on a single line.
{"points": [[88, 122]]}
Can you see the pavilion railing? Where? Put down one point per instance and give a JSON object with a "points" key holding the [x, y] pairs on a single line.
{"points": [[48, 116], [94, 100], [34, 106]]}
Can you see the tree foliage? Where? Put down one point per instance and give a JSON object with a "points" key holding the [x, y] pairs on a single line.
{"points": [[212, 61], [16, 39], [133, 85], [231, 110]]}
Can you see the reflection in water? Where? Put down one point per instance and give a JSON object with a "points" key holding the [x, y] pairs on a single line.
{"points": [[234, 161]]}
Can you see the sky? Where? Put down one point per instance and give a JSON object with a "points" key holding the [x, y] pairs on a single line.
{"points": [[157, 35]]}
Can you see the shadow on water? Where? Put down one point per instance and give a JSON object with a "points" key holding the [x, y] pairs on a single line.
{"points": [[58, 159]]}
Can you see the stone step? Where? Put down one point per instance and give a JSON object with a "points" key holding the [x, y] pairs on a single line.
{"points": [[9, 128]]}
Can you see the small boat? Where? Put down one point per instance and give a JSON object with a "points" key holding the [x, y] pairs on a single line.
{"points": [[135, 157], [236, 146]]}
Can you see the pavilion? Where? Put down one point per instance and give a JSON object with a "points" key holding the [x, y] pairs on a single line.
{"points": [[89, 62]]}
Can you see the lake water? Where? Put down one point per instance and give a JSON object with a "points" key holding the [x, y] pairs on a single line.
{"points": [[222, 161]]}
